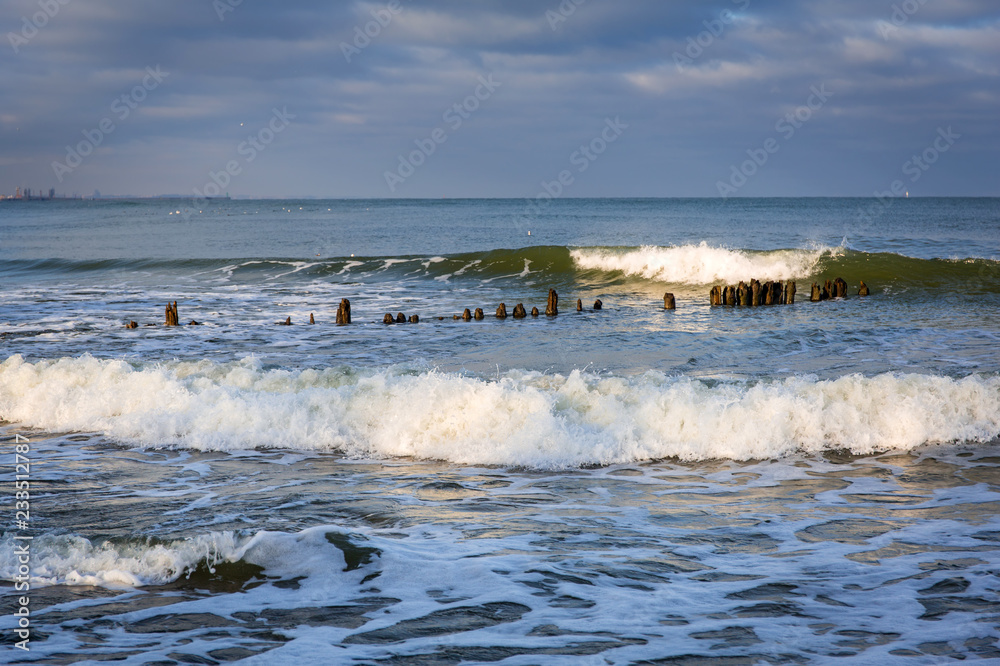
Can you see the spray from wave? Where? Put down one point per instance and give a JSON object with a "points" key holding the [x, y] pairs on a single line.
{"points": [[702, 264], [523, 419]]}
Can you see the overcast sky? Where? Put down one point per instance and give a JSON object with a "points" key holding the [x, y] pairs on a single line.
{"points": [[666, 97]]}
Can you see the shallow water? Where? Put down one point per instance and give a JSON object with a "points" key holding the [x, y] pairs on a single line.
{"points": [[892, 557]]}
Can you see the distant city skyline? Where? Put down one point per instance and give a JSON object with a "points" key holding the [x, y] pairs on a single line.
{"points": [[563, 98]]}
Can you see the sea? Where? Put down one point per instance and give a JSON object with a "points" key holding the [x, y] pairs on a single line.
{"points": [[805, 483]]}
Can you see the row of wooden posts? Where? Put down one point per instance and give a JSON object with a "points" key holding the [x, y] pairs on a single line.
{"points": [[344, 313], [752, 294], [519, 312], [778, 293]]}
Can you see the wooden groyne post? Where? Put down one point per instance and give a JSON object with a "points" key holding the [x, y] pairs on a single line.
{"points": [[552, 307], [344, 313], [172, 318]]}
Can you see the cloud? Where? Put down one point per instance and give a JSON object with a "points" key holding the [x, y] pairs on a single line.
{"points": [[688, 123]]}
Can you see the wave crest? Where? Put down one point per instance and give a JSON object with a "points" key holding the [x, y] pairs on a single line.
{"points": [[524, 419], [702, 264]]}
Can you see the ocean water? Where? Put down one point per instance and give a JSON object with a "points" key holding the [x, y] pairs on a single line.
{"points": [[805, 483]]}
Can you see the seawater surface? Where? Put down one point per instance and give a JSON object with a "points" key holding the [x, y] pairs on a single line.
{"points": [[802, 483]]}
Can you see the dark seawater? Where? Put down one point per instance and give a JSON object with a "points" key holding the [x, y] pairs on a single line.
{"points": [[805, 483]]}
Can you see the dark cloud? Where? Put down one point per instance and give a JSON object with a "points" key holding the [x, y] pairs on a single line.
{"points": [[694, 102]]}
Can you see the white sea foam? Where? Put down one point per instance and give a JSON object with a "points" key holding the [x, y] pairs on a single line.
{"points": [[702, 264], [524, 418], [74, 560], [66, 559]]}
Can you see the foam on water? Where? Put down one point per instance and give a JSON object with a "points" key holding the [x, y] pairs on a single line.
{"points": [[702, 264], [74, 560], [64, 559], [523, 418]]}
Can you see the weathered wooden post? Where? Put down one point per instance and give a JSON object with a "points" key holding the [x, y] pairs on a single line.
{"points": [[731, 295], [579, 305], [742, 294], [840, 288], [172, 318], [519, 311], [312, 319], [715, 296], [863, 290], [502, 311], [467, 315], [132, 324], [754, 293], [816, 296], [344, 313], [414, 319], [535, 312], [789, 293], [400, 318], [480, 315], [552, 307], [827, 290], [668, 302], [598, 305], [768, 295], [287, 322], [388, 319]]}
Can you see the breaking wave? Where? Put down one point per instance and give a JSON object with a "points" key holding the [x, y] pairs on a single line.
{"points": [[522, 418], [702, 264], [693, 265]]}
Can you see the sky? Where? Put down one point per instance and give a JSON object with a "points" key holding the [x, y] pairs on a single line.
{"points": [[491, 98]]}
